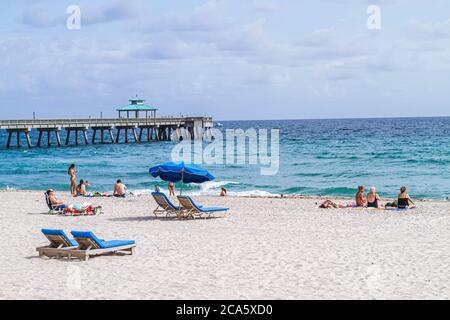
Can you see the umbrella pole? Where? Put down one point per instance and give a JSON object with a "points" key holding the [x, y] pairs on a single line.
{"points": [[182, 178]]}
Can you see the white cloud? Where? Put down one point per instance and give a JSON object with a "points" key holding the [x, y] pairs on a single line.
{"points": [[36, 17], [114, 11], [205, 18], [267, 6], [431, 31], [211, 55]]}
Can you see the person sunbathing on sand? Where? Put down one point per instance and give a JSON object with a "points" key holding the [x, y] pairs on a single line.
{"points": [[373, 199], [361, 201], [120, 190], [404, 200], [328, 204], [81, 188], [82, 191]]}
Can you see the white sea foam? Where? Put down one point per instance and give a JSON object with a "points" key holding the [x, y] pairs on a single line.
{"points": [[213, 188], [140, 192], [253, 193]]}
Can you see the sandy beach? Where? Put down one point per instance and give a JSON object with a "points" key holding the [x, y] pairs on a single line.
{"points": [[262, 249]]}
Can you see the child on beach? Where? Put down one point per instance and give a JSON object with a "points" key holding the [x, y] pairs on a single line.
{"points": [[361, 201]]}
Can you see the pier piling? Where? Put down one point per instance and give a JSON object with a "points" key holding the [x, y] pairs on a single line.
{"points": [[17, 132], [58, 138], [27, 135], [67, 137]]}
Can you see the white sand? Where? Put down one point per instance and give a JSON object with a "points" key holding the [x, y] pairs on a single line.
{"points": [[262, 249]]}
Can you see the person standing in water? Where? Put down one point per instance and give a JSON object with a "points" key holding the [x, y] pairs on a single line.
{"points": [[223, 192], [73, 179], [171, 187]]}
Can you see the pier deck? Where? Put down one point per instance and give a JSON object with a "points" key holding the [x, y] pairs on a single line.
{"points": [[160, 129]]}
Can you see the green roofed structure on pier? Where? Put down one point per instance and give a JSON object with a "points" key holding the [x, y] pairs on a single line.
{"points": [[136, 107]]}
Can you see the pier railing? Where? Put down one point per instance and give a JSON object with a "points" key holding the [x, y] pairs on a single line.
{"points": [[114, 122]]}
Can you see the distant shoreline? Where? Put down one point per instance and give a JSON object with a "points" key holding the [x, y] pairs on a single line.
{"points": [[287, 197]]}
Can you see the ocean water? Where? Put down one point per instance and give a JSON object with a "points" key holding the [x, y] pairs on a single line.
{"points": [[317, 157]]}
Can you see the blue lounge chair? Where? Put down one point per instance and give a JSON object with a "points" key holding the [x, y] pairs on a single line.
{"points": [[90, 245], [60, 243], [165, 206], [192, 210]]}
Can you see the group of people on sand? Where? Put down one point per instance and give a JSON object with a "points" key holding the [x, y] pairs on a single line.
{"points": [[373, 200], [80, 189]]}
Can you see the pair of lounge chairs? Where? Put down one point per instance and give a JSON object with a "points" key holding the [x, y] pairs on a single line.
{"points": [[187, 208], [83, 246]]}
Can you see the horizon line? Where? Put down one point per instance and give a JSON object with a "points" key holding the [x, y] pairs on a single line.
{"points": [[350, 118]]}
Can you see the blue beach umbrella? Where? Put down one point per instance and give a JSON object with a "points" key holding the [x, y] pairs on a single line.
{"points": [[179, 171]]}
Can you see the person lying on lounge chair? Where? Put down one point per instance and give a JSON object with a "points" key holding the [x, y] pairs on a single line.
{"points": [[59, 205], [55, 203]]}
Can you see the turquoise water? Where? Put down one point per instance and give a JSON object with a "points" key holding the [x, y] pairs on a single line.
{"points": [[326, 157]]}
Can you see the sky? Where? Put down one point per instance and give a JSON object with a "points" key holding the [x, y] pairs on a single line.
{"points": [[230, 59]]}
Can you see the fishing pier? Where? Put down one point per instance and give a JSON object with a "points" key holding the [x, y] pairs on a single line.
{"points": [[128, 127]]}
